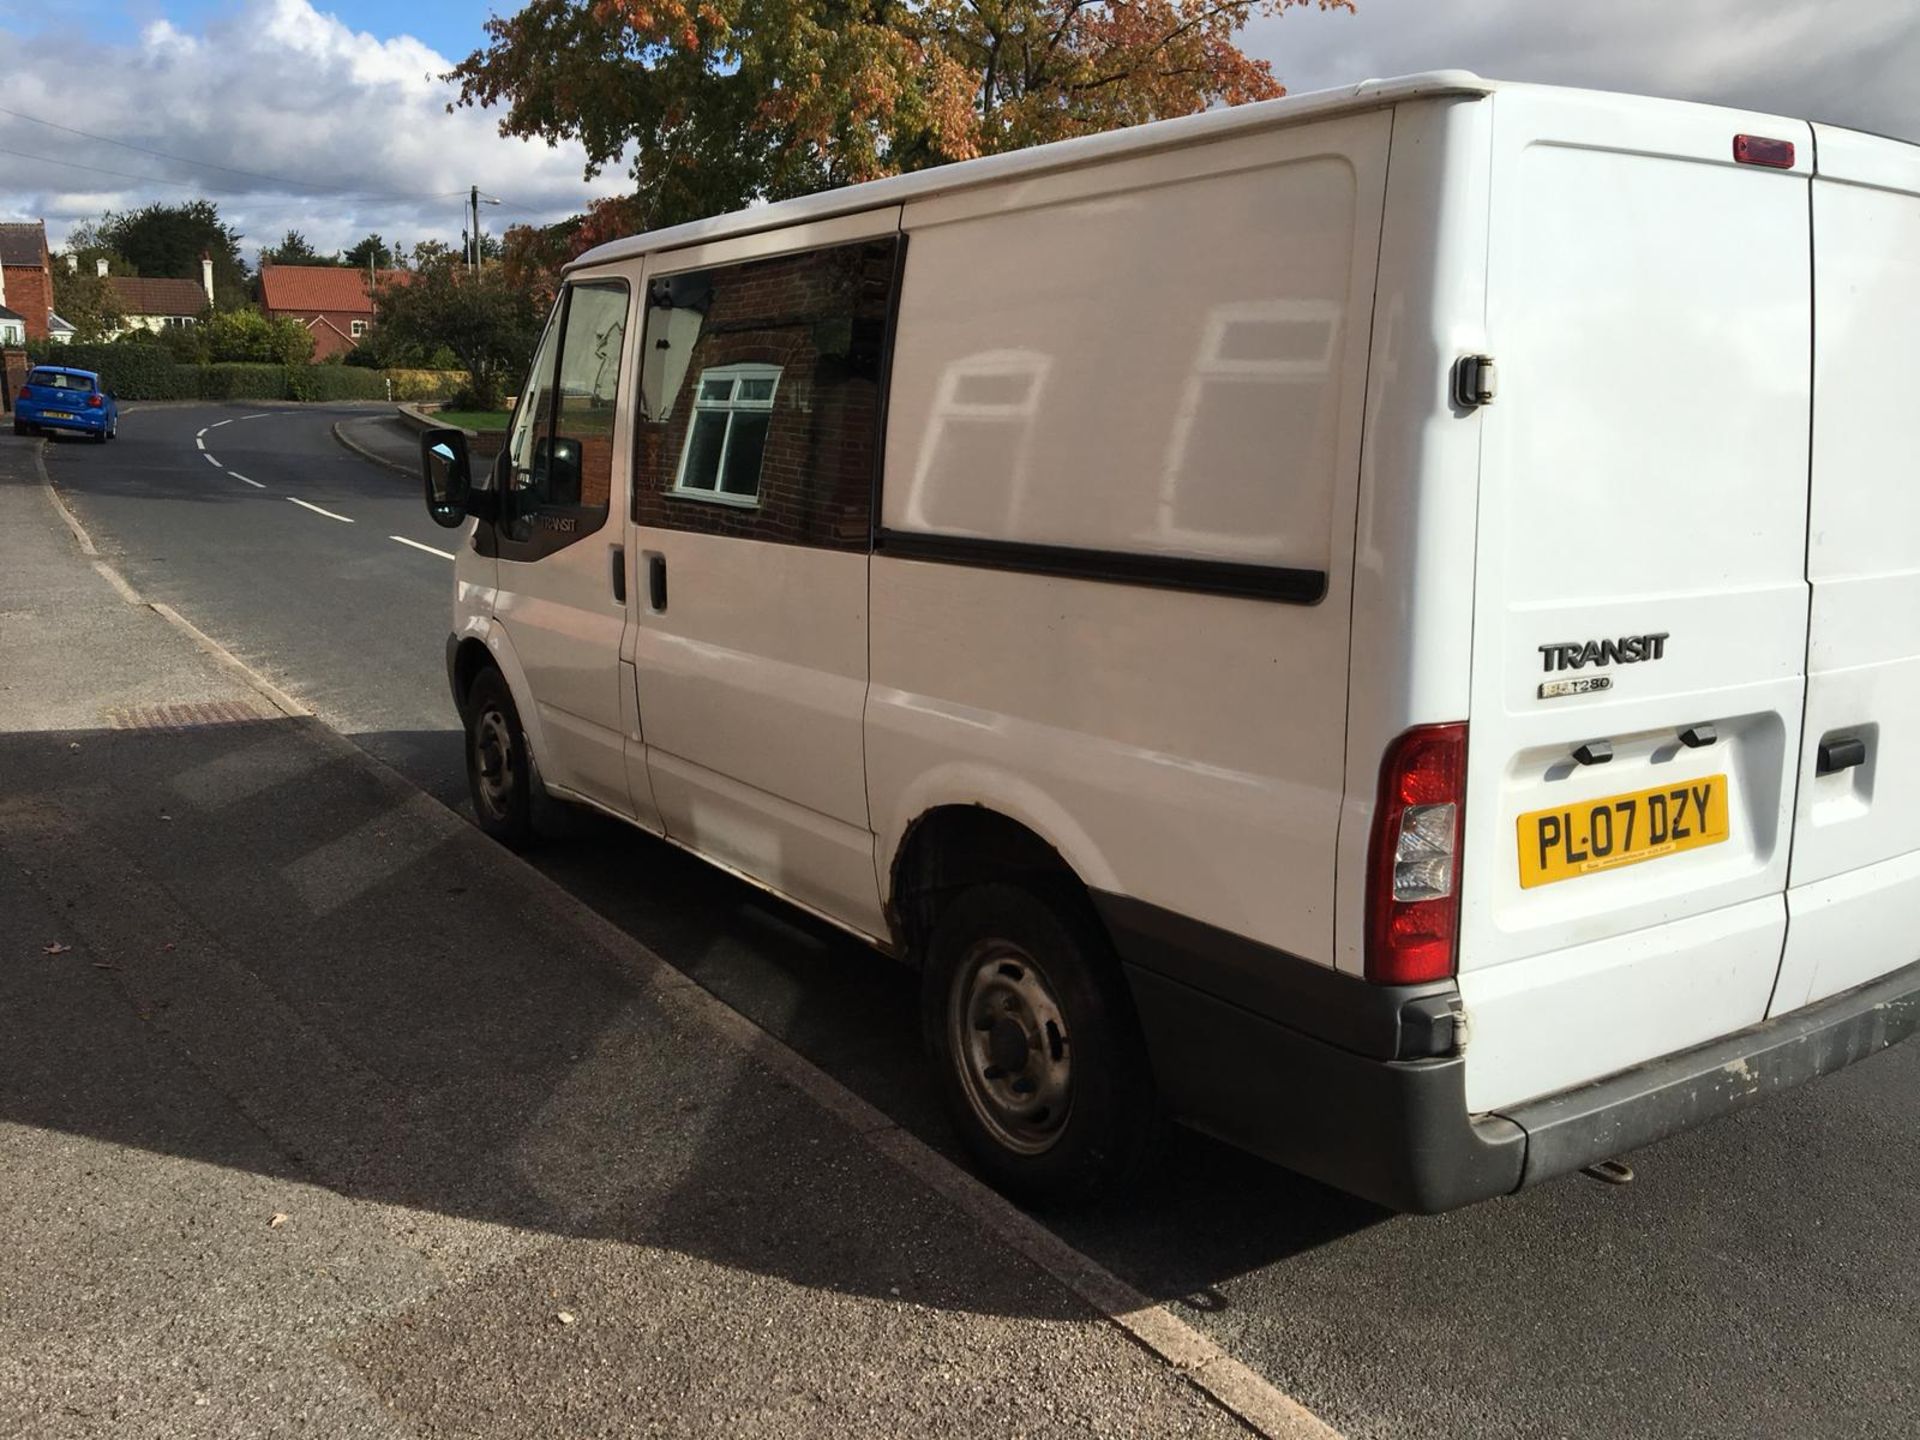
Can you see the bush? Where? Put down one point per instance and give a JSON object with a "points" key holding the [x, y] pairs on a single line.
{"points": [[242, 382], [413, 386], [247, 335], [335, 382], [132, 369]]}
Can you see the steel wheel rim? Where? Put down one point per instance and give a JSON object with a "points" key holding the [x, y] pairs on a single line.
{"points": [[1009, 1042], [493, 773]]}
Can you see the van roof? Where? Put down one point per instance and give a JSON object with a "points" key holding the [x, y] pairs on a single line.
{"points": [[1061, 154], [1881, 153]]}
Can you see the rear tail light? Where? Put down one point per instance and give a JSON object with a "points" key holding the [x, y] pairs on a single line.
{"points": [[1413, 865], [94, 402]]}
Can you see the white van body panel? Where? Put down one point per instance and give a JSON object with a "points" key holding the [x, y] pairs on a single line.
{"points": [[753, 678], [1209, 390], [1855, 897], [1640, 284], [567, 623], [1412, 650]]}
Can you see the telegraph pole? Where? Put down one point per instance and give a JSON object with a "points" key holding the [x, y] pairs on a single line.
{"points": [[473, 201]]}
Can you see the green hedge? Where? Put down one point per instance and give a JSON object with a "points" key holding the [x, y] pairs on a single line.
{"points": [[236, 380], [132, 372], [142, 370], [335, 382]]}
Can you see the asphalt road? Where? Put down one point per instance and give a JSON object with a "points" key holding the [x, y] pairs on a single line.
{"points": [[1758, 1278]]}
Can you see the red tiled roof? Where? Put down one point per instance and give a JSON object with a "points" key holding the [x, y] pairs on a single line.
{"points": [[143, 295], [314, 287], [23, 244]]}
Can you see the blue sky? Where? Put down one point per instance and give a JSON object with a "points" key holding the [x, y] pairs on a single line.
{"points": [[449, 26], [339, 101]]}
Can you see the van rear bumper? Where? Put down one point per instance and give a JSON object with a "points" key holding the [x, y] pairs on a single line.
{"points": [[1397, 1132]]}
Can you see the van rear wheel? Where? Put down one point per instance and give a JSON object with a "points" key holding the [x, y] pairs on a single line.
{"points": [[499, 765], [1037, 1050]]}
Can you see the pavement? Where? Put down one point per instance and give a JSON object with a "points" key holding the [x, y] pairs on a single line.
{"points": [[321, 1114], [1756, 1279], [385, 440]]}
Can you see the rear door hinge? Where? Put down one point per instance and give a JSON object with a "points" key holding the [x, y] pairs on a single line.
{"points": [[1476, 380]]}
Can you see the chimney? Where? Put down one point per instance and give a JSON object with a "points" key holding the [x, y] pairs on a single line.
{"points": [[100, 266], [206, 276], [73, 263]]}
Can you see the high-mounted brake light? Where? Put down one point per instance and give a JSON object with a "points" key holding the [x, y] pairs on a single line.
{"points": [[1413, 865], [1758, 150]]}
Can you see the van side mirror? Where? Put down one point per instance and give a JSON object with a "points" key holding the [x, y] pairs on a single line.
{"points": [[448, 474]]}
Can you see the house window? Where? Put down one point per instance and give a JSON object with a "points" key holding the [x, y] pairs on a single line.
{"points": [[728, 438], [358, 327]]}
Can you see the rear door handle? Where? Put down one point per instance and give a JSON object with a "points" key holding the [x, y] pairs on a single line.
{"points": [[657, 582], [618, 558], [1840, 752]]}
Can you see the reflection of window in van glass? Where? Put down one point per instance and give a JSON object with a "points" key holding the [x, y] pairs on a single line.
{"points": [[759, 397], [581, 472], [728, 438]]}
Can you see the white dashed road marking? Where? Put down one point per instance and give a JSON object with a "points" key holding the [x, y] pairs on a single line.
{"points": [[344, 520], [211, 461], [198, 443], [216, 425], [243, 479], [443, 554]]}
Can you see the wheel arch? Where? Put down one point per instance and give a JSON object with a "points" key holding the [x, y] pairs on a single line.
{"points": [[961, 835], [483, 642]]}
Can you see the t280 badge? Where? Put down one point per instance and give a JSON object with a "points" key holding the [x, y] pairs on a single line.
{"points": [[1580, 654]]}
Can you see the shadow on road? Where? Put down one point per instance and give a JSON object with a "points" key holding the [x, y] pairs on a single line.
{"points": [[274, 941]]}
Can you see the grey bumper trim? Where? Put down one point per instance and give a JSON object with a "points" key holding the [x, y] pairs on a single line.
{"points": [[1663, 1097]]}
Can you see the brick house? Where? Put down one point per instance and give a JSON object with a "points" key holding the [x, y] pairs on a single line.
{"points": [[335, 303], [26, 276]]}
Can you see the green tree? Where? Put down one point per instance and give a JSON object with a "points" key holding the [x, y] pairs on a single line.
{"points": [[724, 102], [81, 295], [293, 249], [372, 251], [488, 324], [168, 240], [248, 335]]}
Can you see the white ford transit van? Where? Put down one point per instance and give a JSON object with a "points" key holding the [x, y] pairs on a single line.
{"points": [[1383, 625]]}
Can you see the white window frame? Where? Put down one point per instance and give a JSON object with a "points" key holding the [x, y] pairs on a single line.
{"points": [[357, 328], [731, 406]]}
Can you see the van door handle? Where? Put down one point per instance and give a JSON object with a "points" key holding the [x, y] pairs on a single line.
{"points": [[657, 582], [617, 555], [1840, 752]]}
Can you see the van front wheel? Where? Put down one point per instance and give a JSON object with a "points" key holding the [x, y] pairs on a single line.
{"points": [[499, 769], [1037, 1051]]}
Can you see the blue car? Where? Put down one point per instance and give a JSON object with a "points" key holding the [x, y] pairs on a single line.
{"points": [[55, 398]]}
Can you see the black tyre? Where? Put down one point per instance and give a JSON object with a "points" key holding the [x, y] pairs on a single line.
{"points": [[20, 427], [100, 437], [499, 765], [1036, 1047]]}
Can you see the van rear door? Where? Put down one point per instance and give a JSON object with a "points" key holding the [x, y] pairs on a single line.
{"points": [[1854, 902], [1640, 595]]}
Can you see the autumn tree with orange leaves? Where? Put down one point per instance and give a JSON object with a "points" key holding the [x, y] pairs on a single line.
{"points": [[713, 104]]}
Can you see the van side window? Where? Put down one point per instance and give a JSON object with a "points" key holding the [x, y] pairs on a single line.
{"points": [[562, 446], [759, 403]]}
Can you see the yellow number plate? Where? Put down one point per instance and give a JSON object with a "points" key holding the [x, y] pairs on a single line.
{"points": [[1621, 830]]}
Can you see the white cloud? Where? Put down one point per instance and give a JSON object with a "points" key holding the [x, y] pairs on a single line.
{"points": [[1850, 64], [274, 88]]}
